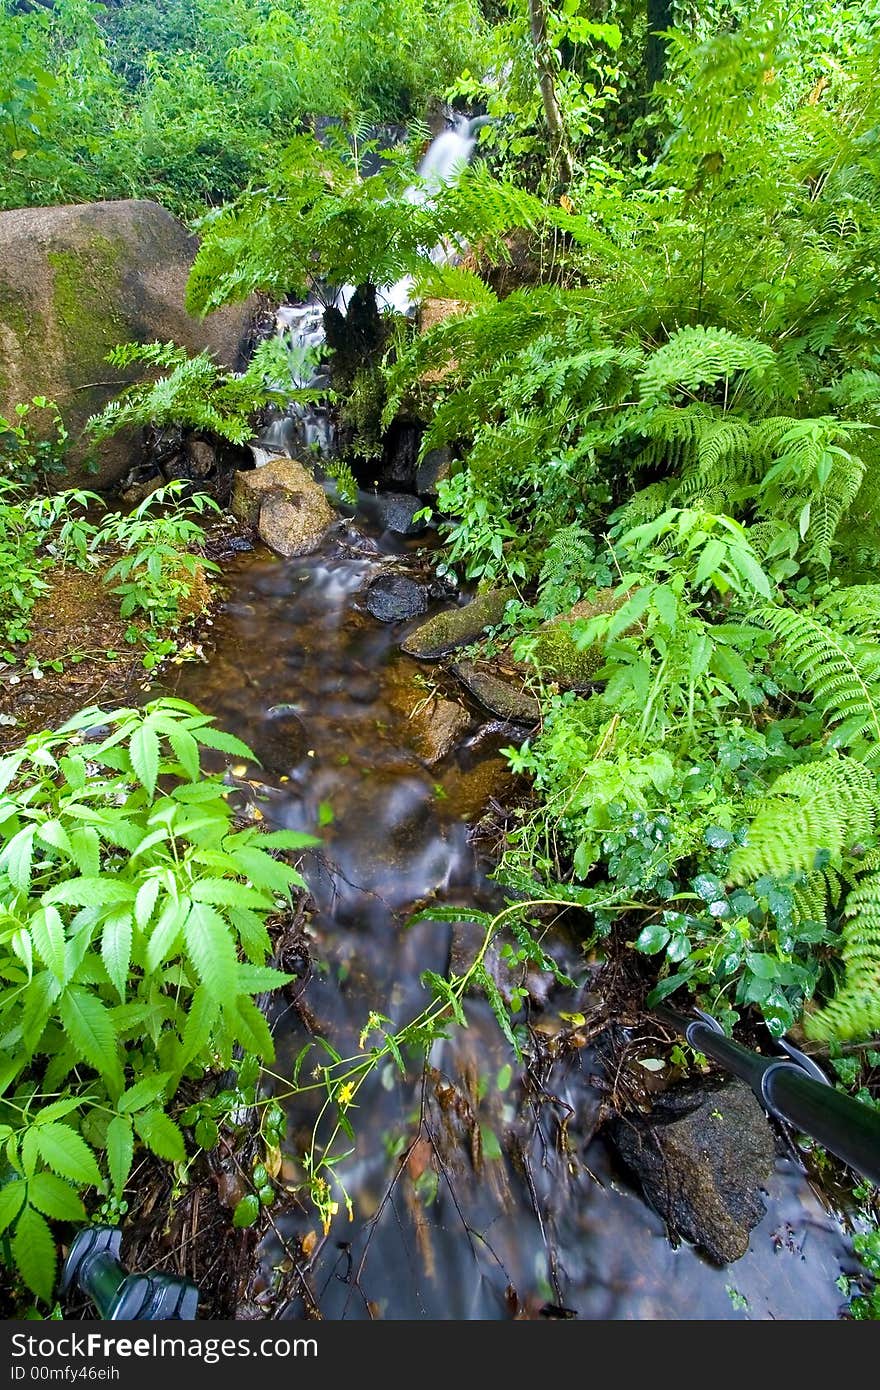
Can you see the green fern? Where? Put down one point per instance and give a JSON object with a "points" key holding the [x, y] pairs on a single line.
{"points": [[854, 1012], [816, 810]]}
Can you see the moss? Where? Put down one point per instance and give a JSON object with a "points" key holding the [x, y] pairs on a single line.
{"points": [[18, 322], [84, 290], [556, 653], [457, 627]]}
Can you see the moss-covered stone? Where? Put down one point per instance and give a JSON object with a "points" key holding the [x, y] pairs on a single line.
{"points": [[75, 282], [456, 627], [556, 654]]}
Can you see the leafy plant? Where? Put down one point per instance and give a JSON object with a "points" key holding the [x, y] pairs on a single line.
{"points": [[133, 941]]}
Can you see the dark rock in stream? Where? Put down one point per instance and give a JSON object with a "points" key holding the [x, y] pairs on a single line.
{"points": [[393, 511], [434, 469], [456, 627], [280, 741], [392, 597], [504, 698], [701, 1158]]}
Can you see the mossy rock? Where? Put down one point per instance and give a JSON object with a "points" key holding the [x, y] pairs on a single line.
{"points": [[557, 656], [75, 282], [456, 627]]}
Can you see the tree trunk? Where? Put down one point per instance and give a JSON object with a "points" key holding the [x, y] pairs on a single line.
{"points": [[547, 85], [660, 17]]}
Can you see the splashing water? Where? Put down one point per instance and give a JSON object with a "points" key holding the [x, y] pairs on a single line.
{"points": [[301, 326]]}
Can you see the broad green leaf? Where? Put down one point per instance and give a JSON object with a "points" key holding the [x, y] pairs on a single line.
{"points": [[17, 857], [54, 1197], [161, 1135], [12, 1195], [120, 1151], [144, 751], [652, 938], [89, 1026], [143, 1093], [33, 1250], [252, 1030], [41, 994], [145, 902], [116, 950], [186, 750], [101, 891], [167, 933], [223, 892], [210, 948], [47, 930], [225, 743], [86, 849], [253, 979], [67, 1153], [53, 833], [247, 1210], [22, 944], [203, 1011], [287, 839]]}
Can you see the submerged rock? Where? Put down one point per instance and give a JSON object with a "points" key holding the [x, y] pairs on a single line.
{"points": [[701, 1159], [76, 281], [456, 627], [392, 598], [285, 504], [504, 698], [439, 727]]}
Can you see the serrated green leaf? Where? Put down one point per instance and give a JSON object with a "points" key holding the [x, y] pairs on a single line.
{"points": [[210, 948], [67, 1153], [252, 1029], [120, 1151], [116, 950], [143, 749], [89, 1025], [203, 1012], [167, 933], [161, 1135], [12, 1195], [225, 743], [145, 902], [186, 751], [33, 1250], [101, 891], [224, 892], [143, 1093], [17, 858], [54, 1197], [53, 833], [253, 979], [86, 849]]}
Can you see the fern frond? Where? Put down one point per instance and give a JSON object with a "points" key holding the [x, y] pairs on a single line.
{"points": [[698, 357], [820, 808], [854, 1012]]}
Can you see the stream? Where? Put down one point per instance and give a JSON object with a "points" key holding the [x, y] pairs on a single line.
{"points": [[507, 1205]]}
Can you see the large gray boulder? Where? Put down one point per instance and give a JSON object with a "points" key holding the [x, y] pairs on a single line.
{"points": [[74, 282]]}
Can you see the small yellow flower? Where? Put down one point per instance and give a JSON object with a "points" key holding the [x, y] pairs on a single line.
{"points": [[345, 1094]]}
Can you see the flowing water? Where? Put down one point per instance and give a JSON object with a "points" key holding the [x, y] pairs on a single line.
{"points": [[507, 1204]]}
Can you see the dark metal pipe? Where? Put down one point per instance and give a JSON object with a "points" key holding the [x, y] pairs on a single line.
{"points": [[793, 1089]]}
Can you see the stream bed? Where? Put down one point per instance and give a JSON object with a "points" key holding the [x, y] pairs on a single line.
{"points": [[475, 1195]]}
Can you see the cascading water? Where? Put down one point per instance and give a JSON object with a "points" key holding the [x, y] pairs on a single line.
{"points": [[301, 326]]}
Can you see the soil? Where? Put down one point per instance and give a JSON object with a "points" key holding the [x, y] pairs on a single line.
{"points": [[78, 654]]}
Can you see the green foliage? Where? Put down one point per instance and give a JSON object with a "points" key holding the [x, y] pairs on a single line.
{"points": [[32, 460], [185, 101], [133, 941], [194, 392]]}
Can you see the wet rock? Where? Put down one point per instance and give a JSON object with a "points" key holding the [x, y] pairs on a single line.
{"points": [[289, 509], [280, 742], [701, 1159], [392, 598], [440, 726], [469, 790], [434, 469], [407, 809], [74, 282], [456, 627], [500, 697], [395, 511]]}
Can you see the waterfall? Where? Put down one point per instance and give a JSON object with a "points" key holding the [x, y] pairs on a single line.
{"points": [[302, 326]]}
